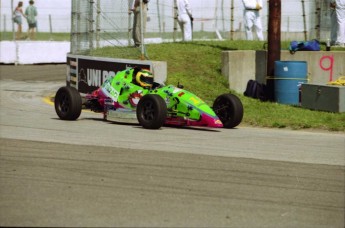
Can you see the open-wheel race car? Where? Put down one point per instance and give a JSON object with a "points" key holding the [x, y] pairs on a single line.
{"points": [[132, 96]]}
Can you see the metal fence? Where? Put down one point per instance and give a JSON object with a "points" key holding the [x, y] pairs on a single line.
{"points": [[99, 23]]}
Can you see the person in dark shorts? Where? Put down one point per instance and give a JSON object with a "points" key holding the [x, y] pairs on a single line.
{"points": [[31, 13]]}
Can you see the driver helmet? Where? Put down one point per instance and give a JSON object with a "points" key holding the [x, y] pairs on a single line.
{"points": [[144, 78]]}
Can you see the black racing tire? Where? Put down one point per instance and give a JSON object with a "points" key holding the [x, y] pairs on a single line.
{"points": [[151, 111], [229, 110], [68, 103]]}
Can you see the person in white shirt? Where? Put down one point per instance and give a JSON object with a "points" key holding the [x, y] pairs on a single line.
{"points": [[340, 11], [185, 19], [334, 24], [252, 18]]}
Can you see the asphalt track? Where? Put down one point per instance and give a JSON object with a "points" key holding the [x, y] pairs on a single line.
{"points": [[95, 173]]}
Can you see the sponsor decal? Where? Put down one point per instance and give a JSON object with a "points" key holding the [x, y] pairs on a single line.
{"points": [[73, 79], [94, 77], [181, 94], [92, 73], [194, 100], [71, 71], [109, 91], [73, 63], [135, 97]]}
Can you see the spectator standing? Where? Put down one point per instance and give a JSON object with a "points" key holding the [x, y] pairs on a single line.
{"points": [[252, 18], [334, 24], [17, 18], [340, 11], [137, 21], [185, 19], [31, 13]]}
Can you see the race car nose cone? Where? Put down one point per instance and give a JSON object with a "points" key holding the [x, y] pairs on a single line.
{"points": [[212, 121], [218, 123]]}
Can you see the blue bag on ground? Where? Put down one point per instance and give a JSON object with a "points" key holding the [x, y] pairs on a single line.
{"points": [[311, 45]]}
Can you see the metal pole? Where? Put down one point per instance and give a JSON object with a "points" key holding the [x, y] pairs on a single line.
{"points": [[98, 22], [318, 19], [74, 27], [91, 24], [78, 33], [215, 15], [223, 18], [304, 21], [159, 18], [163, 10], [274, 33], [12, 7], [142, 31], [130, 29], [4, 28], [14, 36], [232, 20], [50, 27], [175, 20]]}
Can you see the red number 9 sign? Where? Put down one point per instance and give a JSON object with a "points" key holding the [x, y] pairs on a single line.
{"points": [[329, 67]]}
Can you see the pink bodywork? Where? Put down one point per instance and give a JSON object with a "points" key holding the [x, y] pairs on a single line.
{"points": [[206, 121]]}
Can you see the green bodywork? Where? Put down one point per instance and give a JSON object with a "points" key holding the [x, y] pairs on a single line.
{"points": [[180, 103]]}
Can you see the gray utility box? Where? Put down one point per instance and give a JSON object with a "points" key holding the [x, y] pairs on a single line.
{"points": [[323, 97]]}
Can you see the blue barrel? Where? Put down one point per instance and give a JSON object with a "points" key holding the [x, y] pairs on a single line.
{"points": [[288, 77]]}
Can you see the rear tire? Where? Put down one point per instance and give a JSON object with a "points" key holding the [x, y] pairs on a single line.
{"points": [[151, 111], [229, 110], [68, 103]]}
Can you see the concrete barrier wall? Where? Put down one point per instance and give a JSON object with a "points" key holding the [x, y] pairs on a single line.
{"points": [[32, 52], [240, 66]]}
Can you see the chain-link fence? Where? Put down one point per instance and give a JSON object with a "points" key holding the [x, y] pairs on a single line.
{"points": [[99, 23]]}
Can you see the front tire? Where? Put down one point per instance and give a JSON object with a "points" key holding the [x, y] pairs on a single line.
{"points": [[68, 103], [229, 110], [151, 111]]}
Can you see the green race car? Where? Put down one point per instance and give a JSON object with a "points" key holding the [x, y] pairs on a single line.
{"points": [[132, 96]]}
